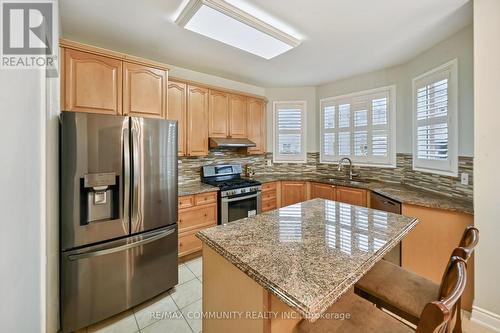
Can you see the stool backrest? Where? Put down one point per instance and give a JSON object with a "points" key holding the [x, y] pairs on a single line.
{"points": [[469, 240], [439, 316]]}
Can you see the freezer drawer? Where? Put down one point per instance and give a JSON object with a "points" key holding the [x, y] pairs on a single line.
{"points": [[103, 280]]}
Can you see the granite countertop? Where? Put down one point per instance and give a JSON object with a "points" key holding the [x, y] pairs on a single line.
{"points": [[195, 188], [311, 253], [399, 192]]}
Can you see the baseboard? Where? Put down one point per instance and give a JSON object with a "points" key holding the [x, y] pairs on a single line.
{"points": [[485, 318]]}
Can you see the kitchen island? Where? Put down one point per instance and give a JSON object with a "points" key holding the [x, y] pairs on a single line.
{"points": [[267, 272]]}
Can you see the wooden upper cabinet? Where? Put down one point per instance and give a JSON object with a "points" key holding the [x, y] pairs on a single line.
{"points": [[93, 83], [144, 91], [237, 116], [256, 125], [293, 192], [218, 110], [323, 191], [353, 196], [176, 110], [197, 114]]}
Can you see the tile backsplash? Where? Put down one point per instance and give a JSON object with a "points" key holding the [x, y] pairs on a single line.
{"points": [[189, 170]]}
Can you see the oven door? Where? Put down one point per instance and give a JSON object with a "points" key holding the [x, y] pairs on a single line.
{"points": [[238, 207]]}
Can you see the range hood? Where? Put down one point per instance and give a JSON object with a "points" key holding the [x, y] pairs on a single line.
{"points": [[230, 143]]}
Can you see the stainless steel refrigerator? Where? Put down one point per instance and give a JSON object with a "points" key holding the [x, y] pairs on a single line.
{"points": [[118, 214]]}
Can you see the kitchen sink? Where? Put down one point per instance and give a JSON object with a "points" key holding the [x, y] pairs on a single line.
{"points": [[347, 181]]}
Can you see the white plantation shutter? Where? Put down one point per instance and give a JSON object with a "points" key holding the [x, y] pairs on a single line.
{"points": [[289, 131], [435, 112], [359, 126]]}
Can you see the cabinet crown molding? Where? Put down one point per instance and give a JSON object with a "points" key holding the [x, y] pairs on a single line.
{"points": [[69, 44]]}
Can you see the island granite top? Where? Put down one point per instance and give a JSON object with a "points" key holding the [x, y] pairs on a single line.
{"points": [[311, 253]]}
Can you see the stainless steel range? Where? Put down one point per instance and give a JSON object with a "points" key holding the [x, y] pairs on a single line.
{"points": [[238, 197]]}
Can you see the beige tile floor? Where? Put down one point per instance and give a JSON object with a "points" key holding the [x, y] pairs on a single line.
{"points": [[182, 303]]}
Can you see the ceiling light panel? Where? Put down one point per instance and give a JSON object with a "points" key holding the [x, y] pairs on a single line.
{"points": [[222, 21]]}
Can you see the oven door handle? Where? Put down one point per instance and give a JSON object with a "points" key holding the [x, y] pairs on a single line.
{"points": [[241, 198]]}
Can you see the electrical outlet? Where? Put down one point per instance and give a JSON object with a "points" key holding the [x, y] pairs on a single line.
{"points": [[464, 178], [269, 163]]}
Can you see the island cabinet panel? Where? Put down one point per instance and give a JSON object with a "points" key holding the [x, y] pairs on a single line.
{"points": [[92, 83], [144, 91], [237, 116], [353, 196], [196, 212], [218, 114], [256, 125], [197, 114], [177, 110], [293, 192], [323, 191], [226, 289], [427, 248], [270, 195]]}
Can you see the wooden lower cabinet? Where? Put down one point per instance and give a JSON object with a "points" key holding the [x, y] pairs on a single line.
{"points": [[293, 192], [189, 243], [353, 196], [196, 212], [323, 191], [427, 248], [270, 196]]}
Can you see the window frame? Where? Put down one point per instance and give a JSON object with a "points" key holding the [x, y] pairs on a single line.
{"points": [[391, 125], [436, 166], [277, 157]]}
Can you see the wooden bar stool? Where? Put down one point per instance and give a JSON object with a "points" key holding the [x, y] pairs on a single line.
{"points": [[405, 293], [437, 316]]}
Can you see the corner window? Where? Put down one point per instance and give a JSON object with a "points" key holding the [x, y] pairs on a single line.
{"points": [[289, 141], [360, 126], [435, 139]]}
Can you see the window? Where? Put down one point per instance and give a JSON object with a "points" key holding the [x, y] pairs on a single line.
{"points": [[289, 131], [360, 126], [435, 141]]}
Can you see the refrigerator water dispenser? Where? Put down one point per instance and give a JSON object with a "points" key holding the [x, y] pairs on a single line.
{"points": [[100, 197]]}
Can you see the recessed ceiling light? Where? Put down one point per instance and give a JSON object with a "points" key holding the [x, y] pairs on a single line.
{"points": [[226, 23]]}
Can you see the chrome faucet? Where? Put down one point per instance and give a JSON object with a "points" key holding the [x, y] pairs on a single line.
{"points": [[351, 174]]}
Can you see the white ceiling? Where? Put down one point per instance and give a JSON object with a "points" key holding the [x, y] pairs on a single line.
{"points": [[341, 38]]}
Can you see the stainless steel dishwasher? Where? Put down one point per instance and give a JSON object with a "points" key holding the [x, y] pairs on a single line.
{"points": [[381, 202]]}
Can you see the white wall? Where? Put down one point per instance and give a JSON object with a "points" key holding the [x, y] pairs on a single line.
{"points": [[460, 46], [187, 74], [307, 94], [487, 160], [22, 167]]}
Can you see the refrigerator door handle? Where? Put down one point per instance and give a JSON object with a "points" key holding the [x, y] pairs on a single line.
{"points": [[148, 238], [136, 173], [126, 172]]}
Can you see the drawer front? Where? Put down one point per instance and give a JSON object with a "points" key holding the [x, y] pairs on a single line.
{"points": [[268, 205], [269, 186], [269, 195], [197, 217], [189, 243], [186, 201], [205, 198]]}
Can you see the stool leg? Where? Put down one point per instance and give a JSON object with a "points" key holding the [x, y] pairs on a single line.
{"points": [[458, 322]]}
